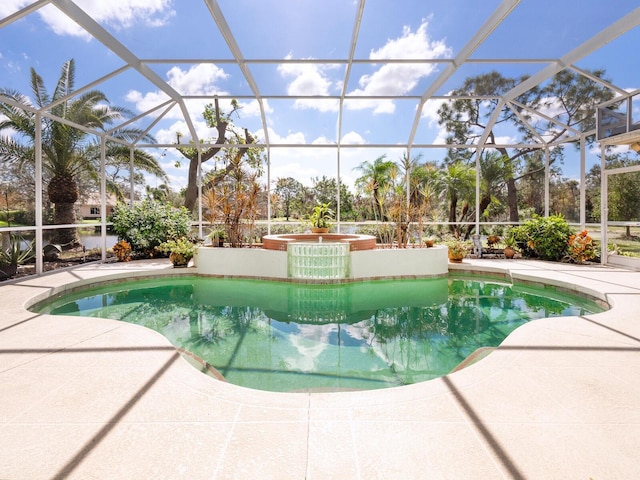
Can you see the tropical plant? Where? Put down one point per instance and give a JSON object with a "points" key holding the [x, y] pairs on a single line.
{"points": [[235, 201], [457, 182], [581, 247], [122, 251], [14, 254], [180, 250], [181, 245], [321, 216], [544, 237], [375, 180], [148, 223], [509, 240], [217, 236], [457, 247], [68, 150]]}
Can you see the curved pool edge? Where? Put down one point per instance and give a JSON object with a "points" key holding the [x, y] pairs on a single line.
{"points": [[121, 272], [557, 399]]}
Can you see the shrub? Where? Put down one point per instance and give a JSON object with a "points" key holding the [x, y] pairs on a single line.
{"points": [[581, 247], [122, 251], [544, 237], [148, 223]]}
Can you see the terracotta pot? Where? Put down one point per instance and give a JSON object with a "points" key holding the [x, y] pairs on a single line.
{"points": [[509, 252], [429, 243], [455, 258], [319, 230], [179, 260]]}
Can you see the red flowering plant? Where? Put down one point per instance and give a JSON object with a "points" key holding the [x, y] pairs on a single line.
{"points": [[581, 247]]}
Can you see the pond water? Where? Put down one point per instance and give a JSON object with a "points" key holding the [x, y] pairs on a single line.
{"points": [[284, 336]]}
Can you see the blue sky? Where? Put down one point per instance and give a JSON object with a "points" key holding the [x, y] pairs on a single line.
{"points": [[308, 29]]}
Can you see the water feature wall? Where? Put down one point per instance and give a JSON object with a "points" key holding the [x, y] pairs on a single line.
{"points": [[318, 260]]}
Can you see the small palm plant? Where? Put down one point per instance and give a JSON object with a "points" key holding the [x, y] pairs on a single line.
{"points": [[321, 216]]}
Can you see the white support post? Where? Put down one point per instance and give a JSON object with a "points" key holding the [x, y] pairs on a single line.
{"points": [[338, 216], [407, 181], [604, 207], [200, 235], [131, 179], [103, 197], [268, 190], [546, 181], [583, 187], [478, 170], [38, 179]]}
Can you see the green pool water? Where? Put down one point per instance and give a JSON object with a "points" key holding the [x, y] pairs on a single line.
{"points": [[283, 336]]}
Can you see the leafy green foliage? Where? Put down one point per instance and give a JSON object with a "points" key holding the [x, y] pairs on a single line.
{"points": [[321, 216], [544, 237], [147, 224], [581, 247], [182, 246]]}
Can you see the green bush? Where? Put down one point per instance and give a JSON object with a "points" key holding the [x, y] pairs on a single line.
{"points": [[147, 224], [543, 237]]}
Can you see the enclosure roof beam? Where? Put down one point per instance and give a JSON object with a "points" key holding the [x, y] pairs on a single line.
{"points": [[23, 12], [78, 15], [494, 20], [347, 74], [223, 26]]}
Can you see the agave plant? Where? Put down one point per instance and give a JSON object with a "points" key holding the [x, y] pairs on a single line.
{"points": [[15, 254]]}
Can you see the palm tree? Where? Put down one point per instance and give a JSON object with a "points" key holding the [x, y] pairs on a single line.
{"points": [[376, 177], [68, 153], [457, 184]]}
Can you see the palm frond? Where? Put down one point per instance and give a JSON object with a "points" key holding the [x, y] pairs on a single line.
{"points": [[66, 81]]}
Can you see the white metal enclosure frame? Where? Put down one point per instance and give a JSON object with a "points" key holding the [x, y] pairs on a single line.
{"points": [[452, 65]]}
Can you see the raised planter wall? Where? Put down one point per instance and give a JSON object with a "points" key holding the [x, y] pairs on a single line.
{"points": [[379, 263]]}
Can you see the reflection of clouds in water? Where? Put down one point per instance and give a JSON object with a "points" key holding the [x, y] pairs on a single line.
{"points": [[310, 342], [360, 331]]}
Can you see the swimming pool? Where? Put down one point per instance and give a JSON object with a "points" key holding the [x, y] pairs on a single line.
{"points": [[284, 336]]}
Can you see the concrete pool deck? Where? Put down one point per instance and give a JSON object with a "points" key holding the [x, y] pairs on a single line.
{"points": [[101, 399]]}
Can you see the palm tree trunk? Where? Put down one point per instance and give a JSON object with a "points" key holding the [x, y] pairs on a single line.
{"points": [[67, 238], [512, 200]]}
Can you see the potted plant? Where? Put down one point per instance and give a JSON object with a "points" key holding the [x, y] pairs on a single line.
{"points": [[428, 242], [509, 246], [15, 255], [457, 248], [492, 240], [217, 236], [180, 250], [320, 218]]}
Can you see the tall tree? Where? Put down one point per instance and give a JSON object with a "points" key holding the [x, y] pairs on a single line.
{"points": [[288, 191], [458, 181], [326, 191], [376, 178], [569, 99], [227, 135], [67, 152]]}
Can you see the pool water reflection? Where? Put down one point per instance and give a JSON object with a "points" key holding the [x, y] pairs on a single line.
{"points": [[283, 336]]}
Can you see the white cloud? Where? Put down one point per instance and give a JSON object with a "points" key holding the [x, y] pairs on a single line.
{"points": [[198, 80], [8, 7], [398, 78], [309, 79], [117, 14], [353, 138]]}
